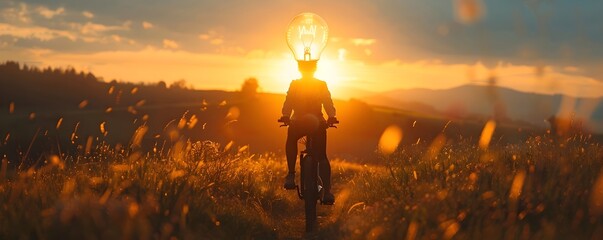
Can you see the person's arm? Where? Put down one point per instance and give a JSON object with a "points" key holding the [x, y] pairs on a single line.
{"points": [[288, 104], [327, 102]]}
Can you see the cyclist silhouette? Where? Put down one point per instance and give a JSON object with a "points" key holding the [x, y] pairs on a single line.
{"points": [[305, 98]]}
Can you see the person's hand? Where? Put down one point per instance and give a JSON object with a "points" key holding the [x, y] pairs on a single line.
{"points": [[284, 119], [332, 120]]}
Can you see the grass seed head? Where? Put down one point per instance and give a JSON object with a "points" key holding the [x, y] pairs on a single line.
{"points": [[390, 139], [596, 197], [517, 185], [59, 122], [83, 104], [486, 135]]}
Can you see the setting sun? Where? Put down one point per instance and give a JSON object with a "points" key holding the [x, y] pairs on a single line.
{"points": [[331, 71], [335, 72]]}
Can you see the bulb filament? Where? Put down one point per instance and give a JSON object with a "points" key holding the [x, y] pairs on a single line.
{"points": [[306, 54], [307, 31]]}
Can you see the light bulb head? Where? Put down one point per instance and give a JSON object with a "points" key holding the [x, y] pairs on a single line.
{"points": [[307, 36]]}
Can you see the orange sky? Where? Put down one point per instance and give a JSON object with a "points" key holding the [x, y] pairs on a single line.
{"points": [[274, 71], [371, 48]]}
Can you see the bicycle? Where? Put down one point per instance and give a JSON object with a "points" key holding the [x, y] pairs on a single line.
{"points": [[310, 188]]}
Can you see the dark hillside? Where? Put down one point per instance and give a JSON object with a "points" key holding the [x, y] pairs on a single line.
{"points": [[68, 109]]}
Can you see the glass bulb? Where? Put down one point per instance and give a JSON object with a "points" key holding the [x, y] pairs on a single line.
{"points": [[307, 36]]}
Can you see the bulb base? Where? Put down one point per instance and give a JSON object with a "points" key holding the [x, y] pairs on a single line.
{"points": [[307, 66]]}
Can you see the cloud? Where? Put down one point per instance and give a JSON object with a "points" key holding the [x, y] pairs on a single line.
{"points": [[20, 14], [88, 14], [119, 39], [39, 33], [88, 33], [147, 25], [116, 38], [251, 54], [171, 44], [91, 28], [49, 14], [212, 37], [571, 69], [363, 41], [16, 22], [216, 41]]}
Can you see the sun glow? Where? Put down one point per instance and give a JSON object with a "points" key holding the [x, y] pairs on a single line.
{"points": [[331, 71]]}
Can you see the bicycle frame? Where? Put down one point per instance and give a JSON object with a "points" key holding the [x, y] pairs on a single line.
{"points": [[305, 156], [310, 187]]}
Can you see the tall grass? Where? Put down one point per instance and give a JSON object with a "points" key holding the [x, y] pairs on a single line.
{"points": [[541, 189], [202, 191], [544, 188]]}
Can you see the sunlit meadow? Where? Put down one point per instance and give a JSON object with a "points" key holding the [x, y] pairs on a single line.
{"points": [[547, 187]]}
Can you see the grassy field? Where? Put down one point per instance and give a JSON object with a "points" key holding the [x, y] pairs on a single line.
{"points": [[544, 188]]}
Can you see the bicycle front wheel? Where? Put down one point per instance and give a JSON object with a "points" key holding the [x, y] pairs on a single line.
{"points": [[310, 191]]}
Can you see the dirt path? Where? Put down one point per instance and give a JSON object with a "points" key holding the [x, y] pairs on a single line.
{"points": [[293, 226]]}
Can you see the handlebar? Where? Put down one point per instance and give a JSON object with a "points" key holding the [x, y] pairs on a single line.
{"points": [[287, 122]]}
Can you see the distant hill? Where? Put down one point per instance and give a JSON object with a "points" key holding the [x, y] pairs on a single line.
{"points": [[343, 92], [393, 102], [62, 111], [498, 102]]}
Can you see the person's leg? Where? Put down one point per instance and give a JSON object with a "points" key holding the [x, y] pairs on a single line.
{"points": [[320, 145], [291, 153], [291, 148]]}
